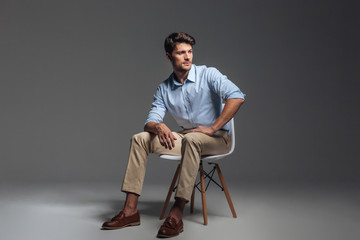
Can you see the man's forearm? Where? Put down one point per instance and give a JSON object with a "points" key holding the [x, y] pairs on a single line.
{"points": [[231, 107]]}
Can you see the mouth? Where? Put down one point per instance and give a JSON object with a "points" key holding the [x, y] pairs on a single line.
{"points": [[187, 63]]}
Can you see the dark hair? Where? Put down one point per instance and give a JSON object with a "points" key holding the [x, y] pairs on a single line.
{"points": [[177, 37]]}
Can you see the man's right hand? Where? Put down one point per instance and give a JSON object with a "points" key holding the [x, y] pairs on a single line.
{"points": [[166, 138]]}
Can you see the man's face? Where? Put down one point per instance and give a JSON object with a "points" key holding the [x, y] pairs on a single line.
{"points": [[181, 57]]}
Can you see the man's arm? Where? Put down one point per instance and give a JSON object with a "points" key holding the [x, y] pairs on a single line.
{"points": [[231, 107], [166, 138], [154, 120]]}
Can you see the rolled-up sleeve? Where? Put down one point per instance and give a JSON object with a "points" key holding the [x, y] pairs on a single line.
{"points": [[158, 109], [225, 88]]}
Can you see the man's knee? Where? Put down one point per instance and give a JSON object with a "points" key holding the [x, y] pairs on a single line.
{"points": [[191, 142], [191, 139], [140, 137]]}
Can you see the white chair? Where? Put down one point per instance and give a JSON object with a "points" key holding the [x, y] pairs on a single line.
{"points": [[211, 160]]}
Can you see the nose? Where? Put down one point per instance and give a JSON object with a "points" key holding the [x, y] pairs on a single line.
{"points": [[186, 55]]}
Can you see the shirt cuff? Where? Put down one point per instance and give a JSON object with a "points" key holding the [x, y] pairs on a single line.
{"points": [[151, 120], [237, 94]]}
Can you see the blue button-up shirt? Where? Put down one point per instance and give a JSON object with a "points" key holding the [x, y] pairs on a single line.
{"points": [[195, 103]]}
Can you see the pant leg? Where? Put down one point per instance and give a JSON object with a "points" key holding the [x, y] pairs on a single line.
{"points": [[194, 145], [142, 144]]}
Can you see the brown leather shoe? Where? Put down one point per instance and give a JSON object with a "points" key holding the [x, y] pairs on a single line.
{"points": [[170, 228], [120, 221]]}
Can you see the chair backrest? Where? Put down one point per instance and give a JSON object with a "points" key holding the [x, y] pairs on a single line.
{"points": [[232, 137], [231, 132]]}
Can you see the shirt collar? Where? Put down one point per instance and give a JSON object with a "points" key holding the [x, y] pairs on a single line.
{"points": [[190, 77]]}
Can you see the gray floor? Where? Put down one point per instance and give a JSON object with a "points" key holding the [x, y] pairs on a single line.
{"points": [[76, 211]]}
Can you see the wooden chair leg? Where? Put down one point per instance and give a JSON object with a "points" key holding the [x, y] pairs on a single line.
{"points": [[170, 192], [203, 194], [226, 191], [192, 201]]}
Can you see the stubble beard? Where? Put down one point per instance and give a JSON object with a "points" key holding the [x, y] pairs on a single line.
{"points": [[185, 68]]}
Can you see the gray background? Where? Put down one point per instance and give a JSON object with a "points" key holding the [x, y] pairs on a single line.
{"points": [[77, 80]]}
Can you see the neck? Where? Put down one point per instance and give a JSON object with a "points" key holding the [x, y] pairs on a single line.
{"points": [[181, 76]]}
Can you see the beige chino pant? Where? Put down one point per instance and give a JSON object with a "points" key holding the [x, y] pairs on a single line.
{"points": [[190, 146]]}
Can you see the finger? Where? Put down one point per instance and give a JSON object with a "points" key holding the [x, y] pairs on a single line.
{"points": [[163, 141], [173, 142], [160, 140], [173, 138], [168, 141]]}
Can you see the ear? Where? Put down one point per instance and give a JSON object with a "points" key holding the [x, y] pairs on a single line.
{"points": [[169, 57]]}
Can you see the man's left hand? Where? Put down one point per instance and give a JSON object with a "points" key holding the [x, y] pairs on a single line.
{"points": [[206, 130]]}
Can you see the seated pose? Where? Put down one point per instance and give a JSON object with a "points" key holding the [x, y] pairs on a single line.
{"points": [[193, 95]]}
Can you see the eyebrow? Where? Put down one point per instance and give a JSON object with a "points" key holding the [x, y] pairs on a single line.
{"points": [[190, 50]]}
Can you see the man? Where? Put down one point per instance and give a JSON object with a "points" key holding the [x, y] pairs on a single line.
{"points": [[193, 95]]}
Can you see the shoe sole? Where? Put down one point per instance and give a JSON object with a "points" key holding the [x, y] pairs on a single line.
{"points": [[127, 225], [169, 236]]}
